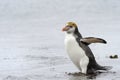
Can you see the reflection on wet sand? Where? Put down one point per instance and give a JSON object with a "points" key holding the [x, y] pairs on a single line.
{"points": [[80, 76]]}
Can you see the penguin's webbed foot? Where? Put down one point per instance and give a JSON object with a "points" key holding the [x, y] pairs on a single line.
{"points": [[76, 74]]}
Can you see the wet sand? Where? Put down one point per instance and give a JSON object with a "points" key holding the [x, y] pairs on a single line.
{"points": [[32, 43]]}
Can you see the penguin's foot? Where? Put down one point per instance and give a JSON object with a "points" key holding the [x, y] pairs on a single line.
{"points": [[89, 76], [92, 75], [76, 74]]}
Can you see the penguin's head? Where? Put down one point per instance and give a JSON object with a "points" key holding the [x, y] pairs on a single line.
{"points": [[70, 27]]}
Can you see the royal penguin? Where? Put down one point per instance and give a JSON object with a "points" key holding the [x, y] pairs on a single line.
{"points": [[79, 51]]}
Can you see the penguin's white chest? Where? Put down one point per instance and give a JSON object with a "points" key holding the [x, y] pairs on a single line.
{"points": [[75, 52]]}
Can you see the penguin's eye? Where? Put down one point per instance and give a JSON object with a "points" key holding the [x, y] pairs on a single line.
{"points": [[70, 26]]}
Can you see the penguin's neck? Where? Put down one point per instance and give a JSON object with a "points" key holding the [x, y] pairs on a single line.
{"points": [[75, 34], [70, 35]]}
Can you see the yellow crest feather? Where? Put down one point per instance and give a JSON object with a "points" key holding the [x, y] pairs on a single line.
{"points": [[71, 24]]}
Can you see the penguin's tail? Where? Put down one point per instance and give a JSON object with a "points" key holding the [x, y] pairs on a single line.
{"points": [[106, 68], [98, 69]]}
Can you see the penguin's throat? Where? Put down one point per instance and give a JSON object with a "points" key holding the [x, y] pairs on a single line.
{"points": [[71, 34]]}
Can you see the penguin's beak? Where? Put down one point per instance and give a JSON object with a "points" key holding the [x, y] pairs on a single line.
{"points": [[66, 28]]}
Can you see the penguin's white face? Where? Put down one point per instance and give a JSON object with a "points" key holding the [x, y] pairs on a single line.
{"points": [[70, 27]]}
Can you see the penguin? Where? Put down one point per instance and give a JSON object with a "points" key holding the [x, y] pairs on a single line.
{"points": [[78, 49]]}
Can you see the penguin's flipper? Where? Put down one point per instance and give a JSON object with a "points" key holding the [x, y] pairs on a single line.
{"points": [[89, 40]]}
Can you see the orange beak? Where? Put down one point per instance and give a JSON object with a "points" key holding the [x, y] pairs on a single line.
{"points": [[65, 28]]}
